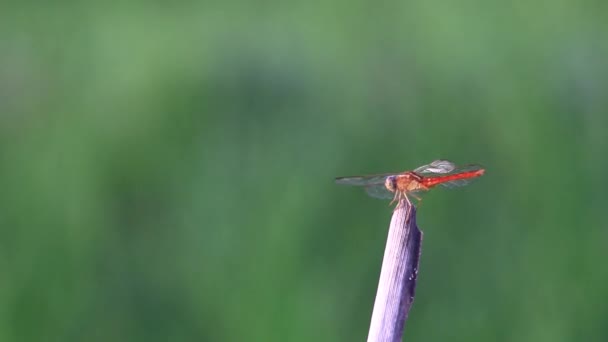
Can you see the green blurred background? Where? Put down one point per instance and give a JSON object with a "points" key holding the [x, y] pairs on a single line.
{"points": [[167, 171]]}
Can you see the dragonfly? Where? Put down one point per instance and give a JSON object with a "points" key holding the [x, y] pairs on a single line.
{"points": [[401, 186]]}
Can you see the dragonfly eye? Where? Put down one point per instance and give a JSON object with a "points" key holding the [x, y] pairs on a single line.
{"points": [[389, 183]]}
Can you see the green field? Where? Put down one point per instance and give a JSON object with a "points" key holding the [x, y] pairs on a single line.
{"points": [[166, 171]]}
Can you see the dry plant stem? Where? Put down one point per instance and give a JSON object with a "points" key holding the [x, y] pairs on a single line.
{"points": [[398, 276]]}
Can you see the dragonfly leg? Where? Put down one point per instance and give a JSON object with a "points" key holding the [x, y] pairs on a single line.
{"points": [[408, 208], [407, 199], [399, 197], [396, 198], [404, 202]]}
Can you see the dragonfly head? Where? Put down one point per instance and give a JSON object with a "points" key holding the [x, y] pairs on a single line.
{"points": [[391, 183]]}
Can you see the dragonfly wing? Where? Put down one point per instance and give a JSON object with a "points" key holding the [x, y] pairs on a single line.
{"points": [[374, 184], [438, 166], [379, 191], [368, 180], [467, 168], [456, 183]]}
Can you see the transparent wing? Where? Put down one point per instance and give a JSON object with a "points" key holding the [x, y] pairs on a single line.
{"points": [[467, 168], [379, 191], [367, 180], [457, 183], [374, 184], [437, 167]]}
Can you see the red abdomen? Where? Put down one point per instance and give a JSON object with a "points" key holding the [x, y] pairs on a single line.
{"points": [[432, 181]]}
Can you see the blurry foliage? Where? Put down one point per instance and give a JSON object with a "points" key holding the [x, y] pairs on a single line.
{"points": [[167, 171]]}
